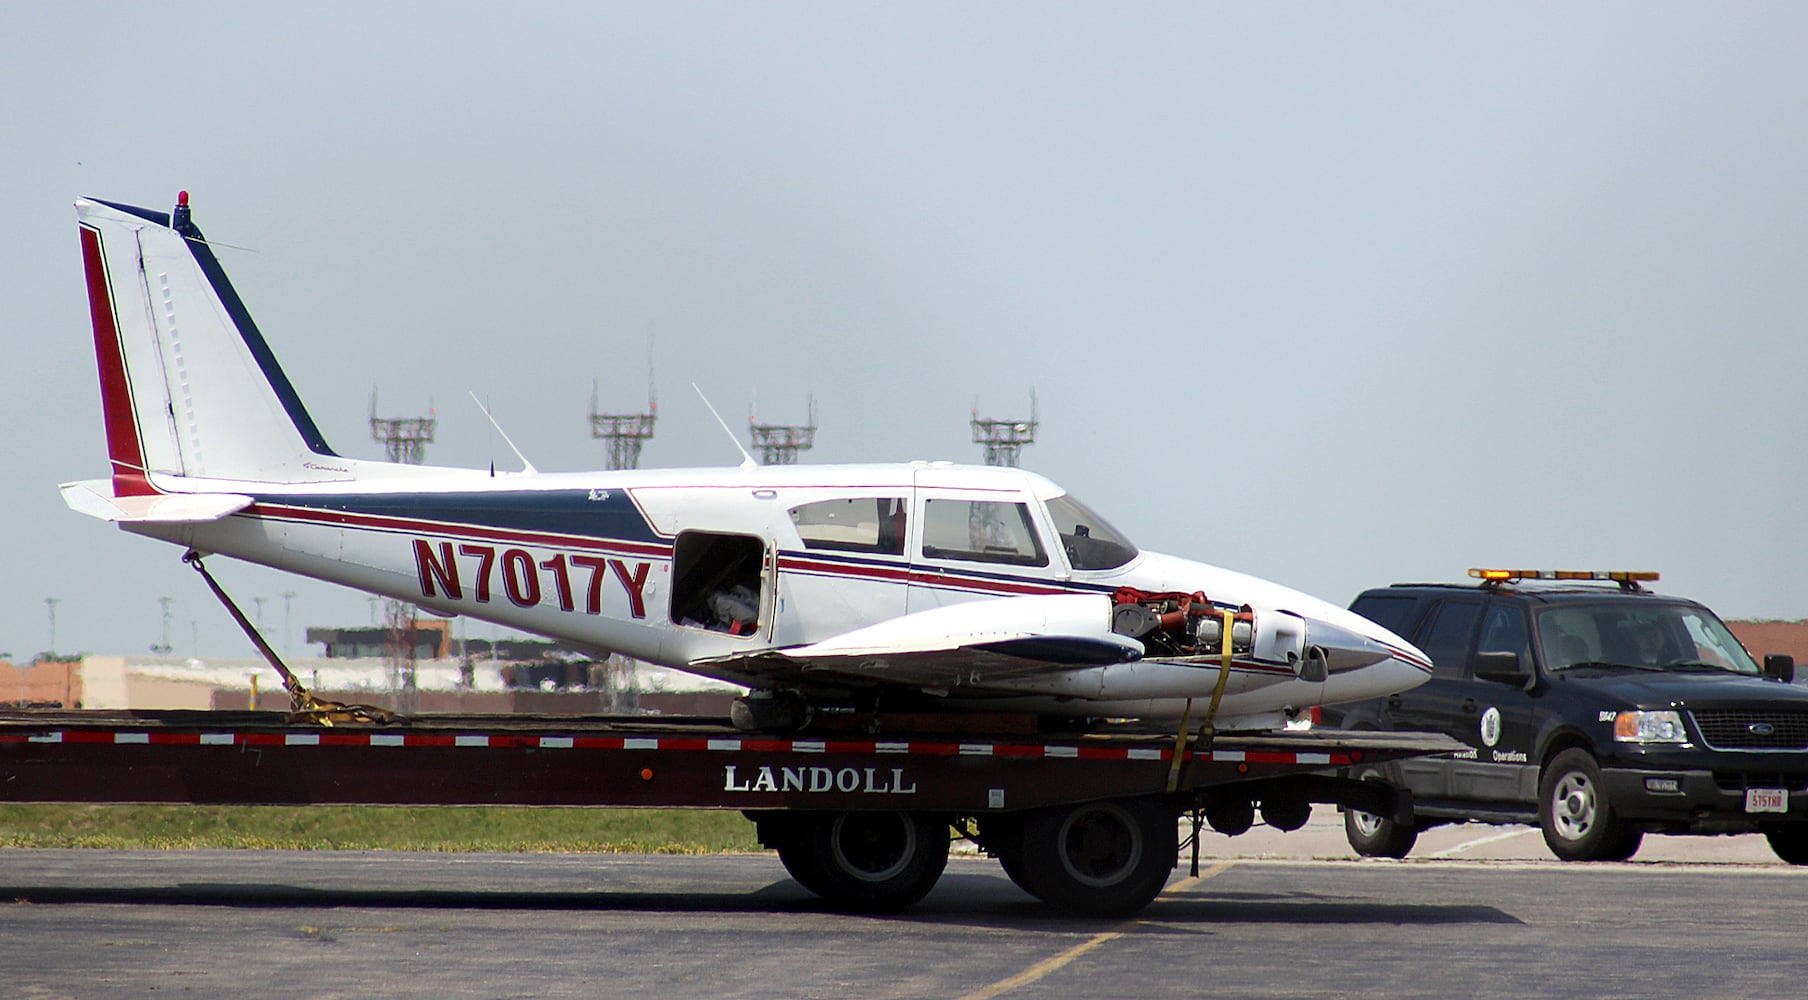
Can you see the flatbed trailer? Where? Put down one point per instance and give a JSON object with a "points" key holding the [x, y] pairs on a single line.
{"points": [[1084, 820]]}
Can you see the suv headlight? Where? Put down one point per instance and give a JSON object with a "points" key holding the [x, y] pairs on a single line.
{"points": [[1649, 727]]}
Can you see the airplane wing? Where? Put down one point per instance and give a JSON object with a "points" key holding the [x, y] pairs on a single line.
{"points": [[963, 644]]}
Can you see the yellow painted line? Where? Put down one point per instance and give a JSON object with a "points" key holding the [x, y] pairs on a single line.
{"points": [[1048, 965]]}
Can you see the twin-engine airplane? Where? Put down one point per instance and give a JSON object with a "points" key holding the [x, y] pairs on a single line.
{"points": [[961, 586]]}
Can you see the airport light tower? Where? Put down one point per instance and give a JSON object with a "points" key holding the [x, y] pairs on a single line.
{"points": [[406, 439], [625, 432], [1004, 439], [779, 444], [164, 648]]}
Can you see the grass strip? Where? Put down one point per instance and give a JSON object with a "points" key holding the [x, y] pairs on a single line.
{"points": [[378, 828]]}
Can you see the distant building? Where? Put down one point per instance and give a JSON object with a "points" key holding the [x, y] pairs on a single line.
{"points": [[432, 640], [541, 686], [1763, 637]]}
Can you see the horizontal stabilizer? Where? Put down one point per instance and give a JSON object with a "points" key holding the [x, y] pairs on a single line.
{"points": [[94, 497]]}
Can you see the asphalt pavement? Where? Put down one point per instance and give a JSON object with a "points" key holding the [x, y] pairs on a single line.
{"points": [[1270, 915]]}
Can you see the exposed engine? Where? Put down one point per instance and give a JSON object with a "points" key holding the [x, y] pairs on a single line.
{"points": [[1172, 623]]}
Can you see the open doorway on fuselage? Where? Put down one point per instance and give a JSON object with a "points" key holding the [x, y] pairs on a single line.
{"points": [[718, 582]]}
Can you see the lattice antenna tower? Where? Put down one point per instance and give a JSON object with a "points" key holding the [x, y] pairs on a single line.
{"points": [[405, 438], [1004, 439], [778, 444], [626, 432]]}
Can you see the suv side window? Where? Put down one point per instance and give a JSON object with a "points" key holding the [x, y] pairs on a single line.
{"points": [[1395, 612], [1445, 636], [1504, 631]]}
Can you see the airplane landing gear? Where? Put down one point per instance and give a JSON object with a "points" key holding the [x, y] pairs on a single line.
{"points": [[770, 712]]}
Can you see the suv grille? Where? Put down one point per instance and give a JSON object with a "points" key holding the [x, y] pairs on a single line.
{"points": [[1753, 729]]}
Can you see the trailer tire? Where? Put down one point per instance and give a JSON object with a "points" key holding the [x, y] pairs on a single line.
{"points": [[1099, 858], [1002, 838], [870, 862]]}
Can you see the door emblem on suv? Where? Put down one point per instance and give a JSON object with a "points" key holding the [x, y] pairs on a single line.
{"points": [[1491, 726]]}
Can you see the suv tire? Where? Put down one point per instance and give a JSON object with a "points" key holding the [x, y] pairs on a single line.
{"points": [[1790, 842], [1578, 822], [1373, 836]]}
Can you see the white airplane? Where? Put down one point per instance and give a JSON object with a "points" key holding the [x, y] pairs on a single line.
{"points": [[921, 583]]}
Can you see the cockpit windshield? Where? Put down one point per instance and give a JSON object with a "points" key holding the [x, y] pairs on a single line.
{"points": [[1089, 541], [1648, 636]]}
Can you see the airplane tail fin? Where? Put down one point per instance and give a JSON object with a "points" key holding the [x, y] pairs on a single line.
{"points": [[189, 388]]}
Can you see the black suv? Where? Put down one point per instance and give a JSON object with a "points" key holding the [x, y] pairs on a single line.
{"points": [[1598, 712]]}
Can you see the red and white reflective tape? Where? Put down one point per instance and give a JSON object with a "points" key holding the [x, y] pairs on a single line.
{"points": [[493, 741]]}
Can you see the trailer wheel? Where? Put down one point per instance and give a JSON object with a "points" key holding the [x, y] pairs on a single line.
{"points": [[1099, 858], [1002, 838], [867, 861]]}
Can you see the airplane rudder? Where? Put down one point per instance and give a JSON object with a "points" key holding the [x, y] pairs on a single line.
{"points": [[119, 411]]}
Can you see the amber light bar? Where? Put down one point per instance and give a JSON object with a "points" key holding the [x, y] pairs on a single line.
{"points": [[1618, 575]]}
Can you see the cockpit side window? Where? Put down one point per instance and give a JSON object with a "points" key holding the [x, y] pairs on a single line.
{"points": [[1090, 542], [981, 531], [857, 524]]}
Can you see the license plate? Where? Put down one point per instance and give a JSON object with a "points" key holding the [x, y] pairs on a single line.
{"points": [[1766, 800]]}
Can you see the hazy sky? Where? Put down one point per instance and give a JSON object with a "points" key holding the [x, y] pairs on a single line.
{"points": [[1336, 294]]}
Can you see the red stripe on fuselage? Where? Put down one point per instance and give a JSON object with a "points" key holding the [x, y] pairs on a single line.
{"points": [[949, 581], [123, 446]]}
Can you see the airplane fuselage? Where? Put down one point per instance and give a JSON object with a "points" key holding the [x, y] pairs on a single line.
{"points": [[630, 562]]}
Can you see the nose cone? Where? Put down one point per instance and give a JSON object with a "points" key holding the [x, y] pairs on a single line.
{"points": [[1385, 660], [1343, 649]]}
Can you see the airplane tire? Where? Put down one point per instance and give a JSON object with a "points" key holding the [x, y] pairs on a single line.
{"points": [[870, 862], [769, 712], [1099, 858]]}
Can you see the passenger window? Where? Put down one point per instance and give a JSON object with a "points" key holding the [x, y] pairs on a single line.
{"points": [[981, 531], [861, 524], [1569, 636], [1445, 637], [1504, 631]]}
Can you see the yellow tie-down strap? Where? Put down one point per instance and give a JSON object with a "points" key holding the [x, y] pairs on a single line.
{"points": [[1205, 729]]}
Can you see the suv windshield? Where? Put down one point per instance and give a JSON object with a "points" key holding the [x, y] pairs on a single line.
{"points": [[1090, 543], [1645, 635]]}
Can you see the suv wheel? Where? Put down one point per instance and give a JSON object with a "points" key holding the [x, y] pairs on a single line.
{"points": [[1373, 836], [1790, 842], [1578, 822]]}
